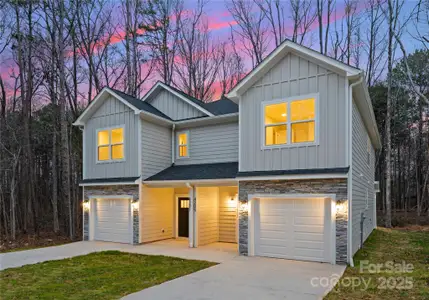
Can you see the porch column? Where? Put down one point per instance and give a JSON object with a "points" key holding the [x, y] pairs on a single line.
{"points": [[192, 216]]}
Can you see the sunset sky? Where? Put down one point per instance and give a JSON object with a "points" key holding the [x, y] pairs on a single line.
{"points": [[219, 20]]}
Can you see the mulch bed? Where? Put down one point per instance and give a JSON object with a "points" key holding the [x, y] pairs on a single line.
{"points": [[31, 241]]}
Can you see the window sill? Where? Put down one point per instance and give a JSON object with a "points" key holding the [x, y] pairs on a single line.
{"points": [[286, 146], [109, 161]]}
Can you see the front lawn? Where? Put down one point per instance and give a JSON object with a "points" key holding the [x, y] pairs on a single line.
{"points": [[383, 246], [102, 275]]}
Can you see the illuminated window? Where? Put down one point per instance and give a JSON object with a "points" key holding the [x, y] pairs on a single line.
{"points": [[183, 143], [290, 121], [110, 144], [184, 203]]}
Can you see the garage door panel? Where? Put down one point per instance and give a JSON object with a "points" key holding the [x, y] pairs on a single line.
{"points": [[112, 221], [309, 220], [303, 236], [292, 228]]}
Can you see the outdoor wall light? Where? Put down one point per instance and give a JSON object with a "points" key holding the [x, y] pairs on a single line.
{"points": [[244, 206], [86, 205], [135, 205], [342, 207]]}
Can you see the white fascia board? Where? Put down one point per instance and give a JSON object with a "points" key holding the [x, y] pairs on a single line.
{"points": [[109, 183], [289, 46], [166, 87], [196, 182], [208, 120], [154, 118], [293, 177], [82, 118]]}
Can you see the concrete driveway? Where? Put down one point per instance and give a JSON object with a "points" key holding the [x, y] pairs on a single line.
{"points": [[249, 278], [236, 277]]}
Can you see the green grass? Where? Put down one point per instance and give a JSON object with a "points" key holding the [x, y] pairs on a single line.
{"points": [[386, 245], [102, 275]]}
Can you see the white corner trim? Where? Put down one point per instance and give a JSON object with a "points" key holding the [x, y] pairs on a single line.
{"points": [[166, 87], [139, 147]]}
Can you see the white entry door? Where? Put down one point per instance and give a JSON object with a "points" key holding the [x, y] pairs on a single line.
{"points": [[113, 220], [297, 229]]}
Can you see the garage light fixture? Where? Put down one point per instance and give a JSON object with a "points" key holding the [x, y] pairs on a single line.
{"points": [[85, 205], [244, 207], [135, 205]]}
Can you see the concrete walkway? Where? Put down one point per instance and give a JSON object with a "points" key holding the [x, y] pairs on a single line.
{"points": [[236, 277], [216, 252], [249, 278]]}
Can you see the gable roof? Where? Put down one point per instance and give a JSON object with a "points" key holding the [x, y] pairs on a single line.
{"points": [[133, 103], [277, 54], [159, 86]]}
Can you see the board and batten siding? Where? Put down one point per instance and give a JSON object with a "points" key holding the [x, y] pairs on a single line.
{"points": [[156, 214], [294, 76], [211, 144], [112, 113], [208, 215], [174, 107], [362, 180], [228, 214], [156, 148]]}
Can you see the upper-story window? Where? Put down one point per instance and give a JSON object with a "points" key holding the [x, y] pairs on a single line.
{"points": [[110, 144], [290, 122], [183, 144]]}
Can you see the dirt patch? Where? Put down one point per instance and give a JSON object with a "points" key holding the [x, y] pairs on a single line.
{"points": [[29, 241], [414, 228]]}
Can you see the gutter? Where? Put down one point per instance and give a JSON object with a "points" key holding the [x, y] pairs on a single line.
{"points": [[173, 146], [350, 174]]}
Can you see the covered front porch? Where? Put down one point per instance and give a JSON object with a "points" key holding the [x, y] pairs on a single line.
{"points": [[195, 213]]}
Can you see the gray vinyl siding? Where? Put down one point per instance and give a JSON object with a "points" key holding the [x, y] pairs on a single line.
{"points": [[156, 148], [112, 113], [174, 107], [211, 144], [362, 180], [294, 76]]}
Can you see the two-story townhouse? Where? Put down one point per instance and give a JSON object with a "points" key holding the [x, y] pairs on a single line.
{"points": [[283, 166]]}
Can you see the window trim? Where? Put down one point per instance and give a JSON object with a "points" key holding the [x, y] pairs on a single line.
{"points": [[110, 160], [188, 142], [289, 123]]}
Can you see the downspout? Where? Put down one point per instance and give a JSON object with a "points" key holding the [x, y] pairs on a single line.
{"points": [[350, 175], [173, 146], [192, 222]]}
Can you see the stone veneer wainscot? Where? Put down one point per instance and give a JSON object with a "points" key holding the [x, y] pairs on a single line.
{"points": [[322, 186], [112, 190]]}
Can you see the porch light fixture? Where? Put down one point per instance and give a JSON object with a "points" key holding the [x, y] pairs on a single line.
{"points": [[244, 207], [85, 205], [135, 205], [342, 207]]}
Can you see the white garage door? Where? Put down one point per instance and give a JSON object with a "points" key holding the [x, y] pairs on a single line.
{"points": [[293, 229], [112, 220]]}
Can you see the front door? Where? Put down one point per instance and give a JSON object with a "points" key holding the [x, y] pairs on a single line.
{"points": [[183, 216]]}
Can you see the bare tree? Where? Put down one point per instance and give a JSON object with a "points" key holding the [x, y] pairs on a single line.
{"points": [[324, 34], [303, 16], [231, 69], [274, 12], [198, 61], [251, 28], [161, 29]]}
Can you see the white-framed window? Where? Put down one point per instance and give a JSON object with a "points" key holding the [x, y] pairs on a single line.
{"points": [[110, 144], [182, 144], [290, 122]]}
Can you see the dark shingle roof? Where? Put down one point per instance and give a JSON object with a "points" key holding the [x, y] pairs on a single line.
{"points": [[294, 172], [196, 172], [112, 180], [141, 104], [219, 107]]}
